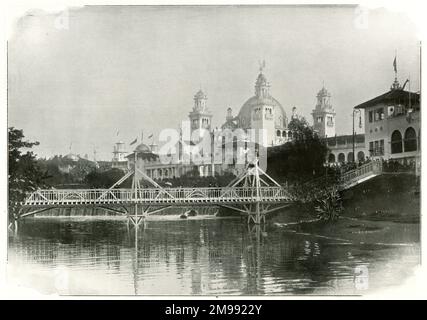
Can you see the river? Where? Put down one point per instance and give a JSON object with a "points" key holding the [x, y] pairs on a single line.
{"points": [[197, 256]]}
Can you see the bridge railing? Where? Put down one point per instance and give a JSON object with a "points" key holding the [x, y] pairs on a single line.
{"points": [[93, 196], [364, 170]]}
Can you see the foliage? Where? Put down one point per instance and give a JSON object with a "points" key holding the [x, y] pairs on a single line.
{"points": [[25, 174], [105, 179], [64, 171], [192, 179], [329, 206], [301, 159]]}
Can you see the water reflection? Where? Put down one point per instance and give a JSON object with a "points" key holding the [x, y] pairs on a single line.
{"points": [[199, 257]]}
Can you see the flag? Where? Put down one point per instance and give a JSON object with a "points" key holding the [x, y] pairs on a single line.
{"points": [[134, 141], [395, 65], [150, 136]]}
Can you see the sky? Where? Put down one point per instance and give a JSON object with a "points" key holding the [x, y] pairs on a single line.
{"points": [[78, 77]]}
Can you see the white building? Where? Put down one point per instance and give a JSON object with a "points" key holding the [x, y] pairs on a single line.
{"points": [[393, 125]]}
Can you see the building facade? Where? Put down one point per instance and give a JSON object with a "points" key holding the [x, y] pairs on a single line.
{"points": [[392, 131], [393, 125], [261, 111]]}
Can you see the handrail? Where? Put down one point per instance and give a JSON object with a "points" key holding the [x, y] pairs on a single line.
{"points": [[181, 194], [156, 195], [362, 171]]}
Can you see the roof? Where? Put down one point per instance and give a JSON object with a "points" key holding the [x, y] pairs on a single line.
{"points": [[246, 110], [143, 148], [143, 155], [72, 157], [200, 95], [394, 95]]}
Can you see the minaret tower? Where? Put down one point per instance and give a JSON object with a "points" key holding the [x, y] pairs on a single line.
{"points": [[324, 115], [200, 116]]}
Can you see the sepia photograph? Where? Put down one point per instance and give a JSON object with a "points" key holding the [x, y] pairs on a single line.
{"points": [[213, 150]]}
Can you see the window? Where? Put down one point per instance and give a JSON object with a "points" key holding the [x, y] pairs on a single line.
{"points": [[371, 116], [341, 157], [379, 114], [330, 121], [410, 142], [350, 157], [376, 148], [396, 142], [319, 119], [331, 158], [278, 133]]}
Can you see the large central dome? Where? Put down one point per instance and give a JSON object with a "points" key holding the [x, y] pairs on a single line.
{"points": [[262, 98]]}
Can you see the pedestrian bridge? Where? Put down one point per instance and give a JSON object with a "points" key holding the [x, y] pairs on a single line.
{"points": [[158, 196], [360, 174], [253, 193]]}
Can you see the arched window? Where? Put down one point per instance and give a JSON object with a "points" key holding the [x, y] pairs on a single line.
{"points": [[284, 134], [350, 157], [396, 142], [360, 156], [331, 158], [410, 141], [341, 157], [290, 134], [278, 133]]}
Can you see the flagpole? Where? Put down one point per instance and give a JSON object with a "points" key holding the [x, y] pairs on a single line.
{"points": [[409, 91]]}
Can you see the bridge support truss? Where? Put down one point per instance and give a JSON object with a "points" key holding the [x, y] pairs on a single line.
{"points": [[255, 179]]}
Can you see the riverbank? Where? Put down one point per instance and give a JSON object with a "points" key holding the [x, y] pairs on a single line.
{"points": [[382, 211], [358, 231]]}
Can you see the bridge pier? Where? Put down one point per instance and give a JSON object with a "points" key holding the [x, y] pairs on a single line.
{"points": [[256, 213], [136, 218]]}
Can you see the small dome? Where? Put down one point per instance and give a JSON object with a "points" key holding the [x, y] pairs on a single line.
{"points": [[261, 80], [143, 148], [200, 95], [323, 93], [72, 157]]}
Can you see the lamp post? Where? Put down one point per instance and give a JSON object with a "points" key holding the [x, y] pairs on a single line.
{"points": [[354, 132]]}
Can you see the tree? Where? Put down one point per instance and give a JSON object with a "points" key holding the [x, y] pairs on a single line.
{"points": [[25, 175], [97, 179], [302, 158]]}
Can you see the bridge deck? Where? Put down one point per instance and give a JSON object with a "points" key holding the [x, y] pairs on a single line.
{"points": [[183, 196], [158, 196]]}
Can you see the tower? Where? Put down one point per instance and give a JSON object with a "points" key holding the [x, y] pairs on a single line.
{"points": [[263, 112], [200, 116], [119, 156], [324, 115], [262, 87], [229, 116]]}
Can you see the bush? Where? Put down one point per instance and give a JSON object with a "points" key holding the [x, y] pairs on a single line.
{"points": [[329, 207]]}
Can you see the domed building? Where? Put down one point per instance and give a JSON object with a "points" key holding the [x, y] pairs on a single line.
{"points": [[262, 111], [72, 157]]}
